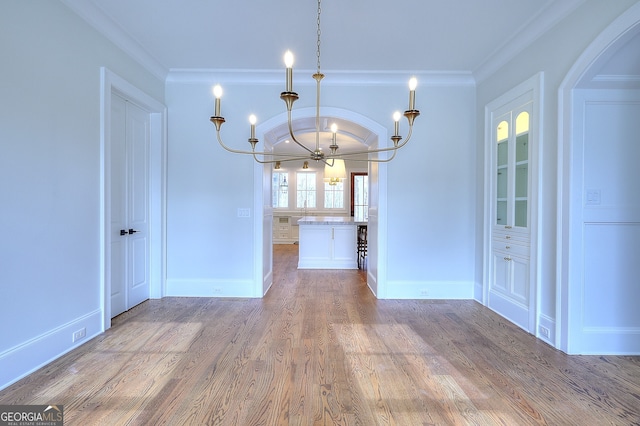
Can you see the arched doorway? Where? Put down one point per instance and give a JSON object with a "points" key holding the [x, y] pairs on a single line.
{"points": [[360, 128], [598, 220]]}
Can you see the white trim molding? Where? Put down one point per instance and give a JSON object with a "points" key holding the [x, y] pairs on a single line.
{"points": [[614, 36], [111, 83]]}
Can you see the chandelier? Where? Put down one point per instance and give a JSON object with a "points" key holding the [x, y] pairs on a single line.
{"points": [[334, 159]]}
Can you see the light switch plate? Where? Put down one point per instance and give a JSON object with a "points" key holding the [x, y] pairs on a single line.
{"points": [[593, 197]]}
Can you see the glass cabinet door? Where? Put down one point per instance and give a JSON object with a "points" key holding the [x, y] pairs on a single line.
{"points": [[512, 169], [502, 178], [522, 169]]}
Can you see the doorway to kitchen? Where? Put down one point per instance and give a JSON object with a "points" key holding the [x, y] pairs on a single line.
{"points": [[366, 132]]}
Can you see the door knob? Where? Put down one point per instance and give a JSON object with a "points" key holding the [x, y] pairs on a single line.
{"points": [[132, 231], [123, 232]]}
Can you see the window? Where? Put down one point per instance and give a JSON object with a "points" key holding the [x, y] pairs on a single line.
{"points": [[334, 195], [306, 190], [360, 196], [280, 189]]}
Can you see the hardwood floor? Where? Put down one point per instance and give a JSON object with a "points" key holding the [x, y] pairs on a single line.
{"points": [[320, 349]]}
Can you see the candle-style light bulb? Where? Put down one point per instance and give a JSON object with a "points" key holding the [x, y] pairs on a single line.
{"points": [[288, 59], [252, 121], [334, 135], [413, 82], [217, 93], [396, 123], [288, 62]]}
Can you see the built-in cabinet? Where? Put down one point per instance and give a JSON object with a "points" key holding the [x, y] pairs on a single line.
{"points": [[286, 229], [511, 178], [510, 257]]}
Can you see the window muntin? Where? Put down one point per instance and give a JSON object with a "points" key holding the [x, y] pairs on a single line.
{"points": [[306, 190], [334, 195]]}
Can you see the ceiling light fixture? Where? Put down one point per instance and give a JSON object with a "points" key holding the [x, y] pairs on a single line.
{"points": [[316, 153]]}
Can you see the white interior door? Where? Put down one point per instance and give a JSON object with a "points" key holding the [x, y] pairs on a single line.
{"points": [[129, 197]]}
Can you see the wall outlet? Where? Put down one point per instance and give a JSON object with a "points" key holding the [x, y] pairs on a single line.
{"points": [[544, 331], [79, 334], [217, 290], [244, 212], [424, 292]]}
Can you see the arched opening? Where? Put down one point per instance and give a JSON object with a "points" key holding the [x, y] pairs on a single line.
{"points": [[598, 213], [356, 131]]}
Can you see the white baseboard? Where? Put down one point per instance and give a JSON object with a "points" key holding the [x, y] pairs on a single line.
{"points": [[24, 359], [511, 310], [478, 292], [429, 290], [372, 283], [211, 288]]}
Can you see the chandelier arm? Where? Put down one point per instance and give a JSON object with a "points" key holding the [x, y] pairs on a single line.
{"points": [[265, 161], [235, 151], [373, 160], [295, 159], [391, 148], [372, 151], [263, 153], [293, 137], [368, 160], [377, 160], [286, 156]]}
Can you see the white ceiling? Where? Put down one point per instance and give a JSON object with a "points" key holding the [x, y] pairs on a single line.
{"points": [[474, 36]]}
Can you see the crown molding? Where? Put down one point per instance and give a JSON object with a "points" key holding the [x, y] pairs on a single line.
{"points": [[530, 32], [332, 78], [106, 26]]}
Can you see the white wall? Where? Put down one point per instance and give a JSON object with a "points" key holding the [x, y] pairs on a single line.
{"points": [[432, 201], [430, 183], [209, 248], [554, 53], [50, 179]]}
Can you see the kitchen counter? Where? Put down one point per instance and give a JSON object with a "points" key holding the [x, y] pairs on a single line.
{"points": [[327, 242], [329, 220]]}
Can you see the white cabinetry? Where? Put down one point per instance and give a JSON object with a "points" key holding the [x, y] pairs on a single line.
{"points": [[281, 229], [510, 287], [510, 291], [285, 229], [328, 246]]}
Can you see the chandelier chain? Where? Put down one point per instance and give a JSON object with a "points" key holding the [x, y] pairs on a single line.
{"points": [[319, 33]]}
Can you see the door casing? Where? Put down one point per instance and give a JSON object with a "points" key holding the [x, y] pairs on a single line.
{"points": [[110, 84]]}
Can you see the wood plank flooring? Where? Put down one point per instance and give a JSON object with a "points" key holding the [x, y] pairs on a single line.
{"points": [[319, 349]]}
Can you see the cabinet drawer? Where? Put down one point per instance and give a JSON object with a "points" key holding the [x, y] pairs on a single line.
{"points": [[516, 237], [511, 248]]}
